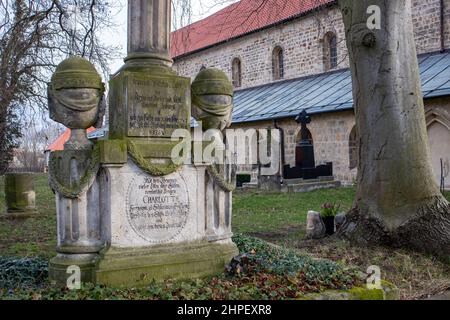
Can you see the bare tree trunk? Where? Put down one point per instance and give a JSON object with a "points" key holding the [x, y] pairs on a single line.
{"points": [[398, 202]]}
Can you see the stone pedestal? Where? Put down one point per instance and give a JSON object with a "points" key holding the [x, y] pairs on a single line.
{"points": [[162, 227], [137, 267], [79, 237], [20, 195]]}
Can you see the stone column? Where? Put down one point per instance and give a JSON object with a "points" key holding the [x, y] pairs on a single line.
{"points": [[75, 93], [19, 192], [149, 30]]}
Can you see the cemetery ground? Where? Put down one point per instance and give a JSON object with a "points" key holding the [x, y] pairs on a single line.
{"points": [[287, 271]]}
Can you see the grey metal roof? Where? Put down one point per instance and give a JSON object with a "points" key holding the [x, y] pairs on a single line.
{"points": [[99, 133], [327, 92]]}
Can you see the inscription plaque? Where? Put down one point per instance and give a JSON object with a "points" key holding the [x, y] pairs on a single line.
{"points": [[157, 106], [157, 207]]}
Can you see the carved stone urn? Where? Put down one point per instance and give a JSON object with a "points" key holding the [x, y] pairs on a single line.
{"points": [[212, 99], [74, 98]]}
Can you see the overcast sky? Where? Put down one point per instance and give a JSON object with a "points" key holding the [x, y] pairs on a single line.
{"points": [[200, 10]]}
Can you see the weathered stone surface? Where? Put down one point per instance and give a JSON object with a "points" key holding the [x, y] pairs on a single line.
{"points": [[59, 266], [387, 292], [212, 99], [339, 220], [138, 216], [310, 186], [315, 228], [74, 96], [156, 219], [19, 193], [156, 106], [113, 151], [149, 33], [137, 267], [157, 207], [150, 103], [71, 172], [78, 219]]}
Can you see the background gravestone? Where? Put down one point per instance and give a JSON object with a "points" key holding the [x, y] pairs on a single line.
{"points": [[19, 193]]}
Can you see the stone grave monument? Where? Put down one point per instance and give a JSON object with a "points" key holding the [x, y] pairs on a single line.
{"points": [[20, 195], [127, 213], [305, 175]]}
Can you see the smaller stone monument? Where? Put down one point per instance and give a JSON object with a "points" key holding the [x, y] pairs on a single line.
{"points": [[315, 228], [305, 175], [304, 152], [20, 195]]}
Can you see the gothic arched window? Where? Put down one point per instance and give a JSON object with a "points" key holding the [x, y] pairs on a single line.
{"points": [[330, 54], [236, 72], [278, 63]]}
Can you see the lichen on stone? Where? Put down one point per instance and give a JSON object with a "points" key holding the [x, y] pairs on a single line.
{"points": [[152, 169], [74, 191], [220, 180]]}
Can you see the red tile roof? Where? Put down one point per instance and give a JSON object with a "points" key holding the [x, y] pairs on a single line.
{"points": [[238, 19], [58, 144]]}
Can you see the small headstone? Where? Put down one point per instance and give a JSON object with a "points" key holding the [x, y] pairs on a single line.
{"points": [[339, 220], [20, 194], [315, 228]]}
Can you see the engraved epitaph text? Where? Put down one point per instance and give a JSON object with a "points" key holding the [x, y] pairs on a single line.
{"points": [[157, 207], [156, 106]]}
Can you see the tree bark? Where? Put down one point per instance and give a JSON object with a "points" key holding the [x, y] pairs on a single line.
{"points": [[398, 202]]}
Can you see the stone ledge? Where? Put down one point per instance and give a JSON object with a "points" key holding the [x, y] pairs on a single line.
{"points": [[310, 186], [388, 292], [139, 267], [17, 215]]}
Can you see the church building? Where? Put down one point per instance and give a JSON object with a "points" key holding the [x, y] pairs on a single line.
{"points": [[286, 56]]}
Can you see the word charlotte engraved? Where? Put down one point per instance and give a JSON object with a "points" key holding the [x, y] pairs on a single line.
{"points": [[157, 207]]}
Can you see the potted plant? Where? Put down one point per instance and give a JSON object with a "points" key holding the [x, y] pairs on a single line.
{"points": [[329, 211]]}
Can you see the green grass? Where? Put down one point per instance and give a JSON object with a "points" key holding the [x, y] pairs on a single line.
{"points": [[278, 218], [272, 216], [33, 236], [278, 214], [264, 272]]}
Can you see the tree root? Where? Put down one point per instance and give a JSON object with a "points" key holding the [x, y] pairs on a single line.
{"points": [[427, 231]]}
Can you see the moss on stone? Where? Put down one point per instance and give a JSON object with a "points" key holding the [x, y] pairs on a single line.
{"points": [[120, 84], [19, 192], [58, 268], [388, 292], [59, 180], [361, 293], [113, 151], [212, 81], [148, 167], [76, 72], [140, 266]]}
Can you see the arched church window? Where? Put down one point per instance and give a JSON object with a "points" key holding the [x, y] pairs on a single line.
{"points": [[330, 51], [278, 63]]}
